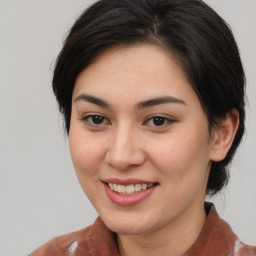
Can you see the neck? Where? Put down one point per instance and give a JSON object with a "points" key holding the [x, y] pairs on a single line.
{"points": [[173, 239]]}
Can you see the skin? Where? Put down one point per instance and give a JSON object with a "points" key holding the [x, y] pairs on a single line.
{"points": [[127, 143]]}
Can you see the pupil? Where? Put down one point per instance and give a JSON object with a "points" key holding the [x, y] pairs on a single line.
{"points": [[97, 119], [158, 121]]}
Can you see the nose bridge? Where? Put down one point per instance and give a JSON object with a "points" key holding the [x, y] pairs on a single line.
{"points": [[124, 149]]}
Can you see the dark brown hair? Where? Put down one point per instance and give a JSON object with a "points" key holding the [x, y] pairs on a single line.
{"points": [[196, 34]]}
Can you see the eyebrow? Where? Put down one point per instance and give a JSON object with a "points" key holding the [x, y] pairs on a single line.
{"points": [[92, 99], [141, 105], [160, 100]]}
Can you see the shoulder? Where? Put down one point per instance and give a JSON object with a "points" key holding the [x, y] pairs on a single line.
{"points": [[242, 249], [94, 240], [235, 246], [65, 244], [221, 234], [218, 238]]}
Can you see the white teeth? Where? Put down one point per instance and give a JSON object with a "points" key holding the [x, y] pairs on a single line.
{"points": [[120, 188], [129, 189], [137, 187], [144, 186]]}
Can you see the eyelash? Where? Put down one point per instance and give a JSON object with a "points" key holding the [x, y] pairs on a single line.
{"points": [[89, 118], [164, 121]]}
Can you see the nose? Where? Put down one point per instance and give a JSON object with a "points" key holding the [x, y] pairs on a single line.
{"points": [[125, 150]]}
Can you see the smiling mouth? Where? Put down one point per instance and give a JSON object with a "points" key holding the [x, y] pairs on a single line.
{"points": [[129, 189]]}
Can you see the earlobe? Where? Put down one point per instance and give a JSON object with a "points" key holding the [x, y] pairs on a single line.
{"points": [[223, 136]]}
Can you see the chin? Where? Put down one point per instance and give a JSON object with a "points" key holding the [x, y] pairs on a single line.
{"points": [[127, 229], [129, 225]]}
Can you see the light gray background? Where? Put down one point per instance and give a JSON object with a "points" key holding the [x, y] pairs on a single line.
{"points": [[40, 196]]}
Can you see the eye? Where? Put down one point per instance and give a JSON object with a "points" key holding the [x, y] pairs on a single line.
{"points": [[95, 120], [158, 121]]}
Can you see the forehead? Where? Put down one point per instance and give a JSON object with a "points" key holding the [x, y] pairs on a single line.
{"points": [[134, 71]]}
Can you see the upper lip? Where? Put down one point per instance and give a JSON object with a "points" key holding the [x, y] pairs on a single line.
{"points": [[127, 181]]}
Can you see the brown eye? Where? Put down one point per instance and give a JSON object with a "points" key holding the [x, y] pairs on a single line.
{"points": [[95, 119], [159, 121]]}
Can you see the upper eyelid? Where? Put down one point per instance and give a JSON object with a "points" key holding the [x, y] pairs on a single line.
{"points": [[168, 119], [162, 116], [92, 114], [87, 116], [147, 119]]}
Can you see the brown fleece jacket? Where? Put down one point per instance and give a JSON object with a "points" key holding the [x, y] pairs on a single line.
{"points": [[215, 239]]}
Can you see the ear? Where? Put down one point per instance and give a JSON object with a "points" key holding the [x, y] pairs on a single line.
{"points": [[223, 136]]}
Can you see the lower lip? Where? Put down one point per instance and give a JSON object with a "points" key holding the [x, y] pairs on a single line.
{"points": [[127, 200]]}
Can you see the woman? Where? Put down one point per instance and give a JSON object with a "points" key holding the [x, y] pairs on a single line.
{"points": [[152, 94]]}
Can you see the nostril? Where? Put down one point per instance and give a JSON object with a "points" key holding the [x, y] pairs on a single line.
{"points": [[122, 159]]}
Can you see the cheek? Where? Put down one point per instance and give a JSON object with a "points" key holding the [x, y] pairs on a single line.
{"points": [[86, 152], [183, 168], [182, 157]]}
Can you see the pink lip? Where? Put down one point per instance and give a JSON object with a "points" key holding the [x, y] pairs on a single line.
{"points": [[128, 200], [128, 181]]}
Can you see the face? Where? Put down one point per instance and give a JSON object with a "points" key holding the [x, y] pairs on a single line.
{"points": [[139, 140]]}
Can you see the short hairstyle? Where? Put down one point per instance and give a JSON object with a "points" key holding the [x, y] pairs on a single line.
{"points": [[197, 36]]}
